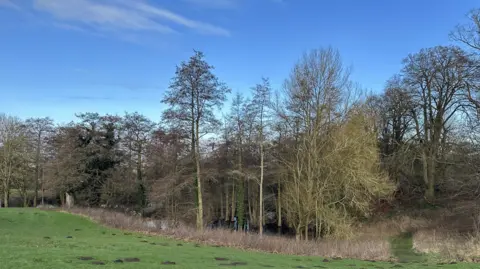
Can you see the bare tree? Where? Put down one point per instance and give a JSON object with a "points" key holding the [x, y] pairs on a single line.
{"points": [[13, 141], [237, 125], [333, 170], [393, 124], [437, 78], [166, 168], [192, 95], [39, 127], [138, 130], [469, 34], [260, 106]]}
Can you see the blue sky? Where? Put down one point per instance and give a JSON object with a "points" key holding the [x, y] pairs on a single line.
{"points": [[59, 57]]}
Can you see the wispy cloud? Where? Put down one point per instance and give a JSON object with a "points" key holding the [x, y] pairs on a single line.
{"points": [[215, 4], [202, 27], [225, 4], [8, 4], [120, 16], [98, 15], [70, 27]]}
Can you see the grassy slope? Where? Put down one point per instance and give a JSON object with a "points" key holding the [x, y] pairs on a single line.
{"points": [[23, 244]]}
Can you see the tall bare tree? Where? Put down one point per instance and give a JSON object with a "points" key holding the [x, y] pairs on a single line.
{"points": [[237, 124], [438, 78], [39, 127], [260, 106], [193, 94]]}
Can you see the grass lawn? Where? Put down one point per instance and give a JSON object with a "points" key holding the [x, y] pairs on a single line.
{"points": [[31, 238]]}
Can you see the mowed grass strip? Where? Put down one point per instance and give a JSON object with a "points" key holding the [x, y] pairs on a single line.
{"points": [[31, 238]]}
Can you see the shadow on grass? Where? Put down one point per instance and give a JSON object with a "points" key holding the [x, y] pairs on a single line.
{"points": [[402, 249]]}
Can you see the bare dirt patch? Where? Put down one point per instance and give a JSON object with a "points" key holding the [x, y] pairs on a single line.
{"points": [[131, 260], [221, 259], [85, 258], [233, 264]]}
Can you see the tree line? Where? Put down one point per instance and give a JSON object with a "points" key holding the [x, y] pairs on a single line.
{"points": [[316, 156]]}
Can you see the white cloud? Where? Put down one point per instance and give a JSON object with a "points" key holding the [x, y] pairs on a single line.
{"points": [[170, 16], [215, 4], [8, 4], [120, 15], [70, 27], [99, 15]]}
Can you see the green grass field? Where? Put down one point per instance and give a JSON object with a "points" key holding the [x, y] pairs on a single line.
{"points": [[31, 238]]}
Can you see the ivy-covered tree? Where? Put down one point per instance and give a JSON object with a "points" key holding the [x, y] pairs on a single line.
{"points": [[98, 142]]}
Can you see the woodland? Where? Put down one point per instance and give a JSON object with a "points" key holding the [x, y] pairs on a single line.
{"points": [[311, 159]]}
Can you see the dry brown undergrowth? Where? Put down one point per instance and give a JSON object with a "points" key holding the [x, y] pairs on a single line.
{"points": [[361, 248], [449, 246], [437, 232], [452, 234]]}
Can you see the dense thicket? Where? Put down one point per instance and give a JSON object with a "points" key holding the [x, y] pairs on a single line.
{"points": [[316, 156]]}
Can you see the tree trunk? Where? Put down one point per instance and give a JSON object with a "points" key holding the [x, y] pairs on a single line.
{"points": [[241, 189], [62, 199], [260, 189], [199, 179], [241, 204], [233, 201], [279, 210], [249, 204], [222, 215], [139, 166], [69, 200], [227, 207], [141, 186], [425, 169], [200, 201], [5, 197], [306, 230], [319, 229], [37, 169], [42, 186], [25, 202], [317, 221], [430, 193], [254, 207], [298, 232]]}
